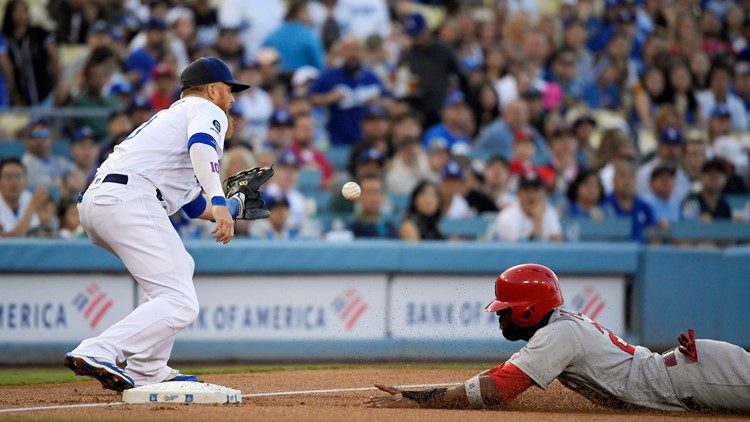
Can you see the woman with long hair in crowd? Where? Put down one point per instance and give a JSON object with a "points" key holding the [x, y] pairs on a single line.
{"points": [[682, 94], [33, 53], [423, 215], [485, 105], [584, 197]]}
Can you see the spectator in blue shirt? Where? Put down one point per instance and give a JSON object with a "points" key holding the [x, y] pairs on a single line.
{"points": [[275, 227], [296, 41], [6, 74], [666, 210], [346, 91], [564, 71], [584, 197], [623, 203], [452, 127], [497, 137], [142, 61], [604, 93], [369, 221]]}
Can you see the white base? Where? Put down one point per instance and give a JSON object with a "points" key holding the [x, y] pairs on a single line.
{"points": [[182, 392]]}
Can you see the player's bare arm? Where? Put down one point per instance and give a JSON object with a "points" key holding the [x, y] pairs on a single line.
{"points": [[478, 392]]}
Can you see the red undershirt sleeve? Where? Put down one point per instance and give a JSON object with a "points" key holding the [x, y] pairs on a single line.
{"points": [[510, 381]]}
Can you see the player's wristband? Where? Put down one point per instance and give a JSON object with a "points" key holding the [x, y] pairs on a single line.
{"points": [[426, 397], [195, 208], [234, 205], [219, 200], [474, 393]]}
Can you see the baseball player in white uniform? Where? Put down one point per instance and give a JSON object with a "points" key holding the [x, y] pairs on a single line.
{"points": [[162, 167], [587, 358]]}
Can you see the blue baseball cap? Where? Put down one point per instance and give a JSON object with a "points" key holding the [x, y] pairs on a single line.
{"points": [[671, 136], [156, 23], [625, 16], [530, 180], [208, 70], [99, 27], [140, 102], [371, 154], [83, 133], [437, 143], [471, 63], [281, 117], [121, 88], [721, 110], [453, 170], [453, 98], [414, 24], [375, 111], [273, 200], [288, 158]]}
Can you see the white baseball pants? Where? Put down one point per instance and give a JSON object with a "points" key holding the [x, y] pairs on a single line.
{"points": [[719, 380], [129, 221]]}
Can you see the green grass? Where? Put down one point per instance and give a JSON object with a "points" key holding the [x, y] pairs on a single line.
{"points": [[36, 376], [9, 377]]}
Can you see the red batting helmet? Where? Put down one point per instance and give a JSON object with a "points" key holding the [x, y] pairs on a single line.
{"points": [[529, 290]]}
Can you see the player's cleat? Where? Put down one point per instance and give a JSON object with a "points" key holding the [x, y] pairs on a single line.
{"points": [[106, 372], [175, 375]]}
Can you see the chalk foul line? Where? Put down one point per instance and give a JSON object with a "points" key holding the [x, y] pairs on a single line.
{"points": [[250, 395]]}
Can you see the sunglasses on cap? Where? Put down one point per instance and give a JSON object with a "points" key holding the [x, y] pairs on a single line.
{"points": [[40, 133]]}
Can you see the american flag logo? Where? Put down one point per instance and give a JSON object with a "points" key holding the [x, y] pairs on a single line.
{"points": [[349, 306], [93, 303], [589, 302]]}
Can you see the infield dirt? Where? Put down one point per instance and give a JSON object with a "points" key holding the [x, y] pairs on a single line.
{"points": [[558, 403]]}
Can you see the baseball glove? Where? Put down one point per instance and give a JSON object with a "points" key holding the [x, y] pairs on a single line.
{"points": [[246, 186]]}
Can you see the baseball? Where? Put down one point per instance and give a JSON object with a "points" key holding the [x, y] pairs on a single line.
{"points": [[351, 191]]}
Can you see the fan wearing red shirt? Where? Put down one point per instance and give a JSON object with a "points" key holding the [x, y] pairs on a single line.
{"points": [[303, 133], [166, 89]]}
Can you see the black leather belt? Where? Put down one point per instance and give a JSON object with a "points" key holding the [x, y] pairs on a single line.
{"points": [[121, 179]]}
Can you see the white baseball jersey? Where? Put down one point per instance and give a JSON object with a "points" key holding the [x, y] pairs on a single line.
{"points": [[9, 218], [596, 363], [158, 149]]}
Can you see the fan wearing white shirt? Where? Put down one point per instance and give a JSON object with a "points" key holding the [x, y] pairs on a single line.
{"points": [[18, 207], [530, 218]]}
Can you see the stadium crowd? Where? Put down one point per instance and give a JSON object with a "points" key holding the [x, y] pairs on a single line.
{"points": [[520, 113]]}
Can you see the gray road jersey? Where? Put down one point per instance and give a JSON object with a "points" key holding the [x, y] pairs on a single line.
{"points": [[594, 362]]}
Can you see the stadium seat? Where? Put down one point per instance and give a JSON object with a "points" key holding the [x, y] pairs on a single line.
{"points": [[338, 155], [716, 230], [738, 202], [326, 220], [10, 149], [470, 228], [61, 149], [582, 229], [321, 198], [310, 179], [400, 202]]}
